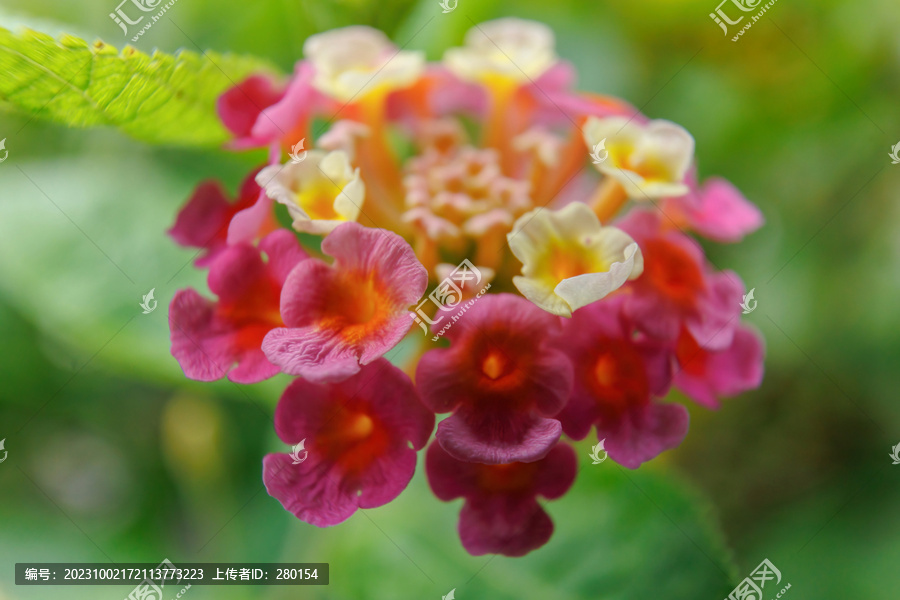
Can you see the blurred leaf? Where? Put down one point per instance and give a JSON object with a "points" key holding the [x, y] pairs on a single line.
{"points": [[158, 98]]}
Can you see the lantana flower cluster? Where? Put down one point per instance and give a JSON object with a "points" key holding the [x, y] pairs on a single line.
{"points": [[573, 213]]}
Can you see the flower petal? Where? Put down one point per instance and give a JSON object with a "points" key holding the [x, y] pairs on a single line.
{"points": [[642, 435], [533, 438]]}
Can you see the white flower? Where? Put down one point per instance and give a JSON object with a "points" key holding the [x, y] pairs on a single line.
{"points": [[649, 160], [355, 61], [320, 193], [569, 260], [504, 49]]}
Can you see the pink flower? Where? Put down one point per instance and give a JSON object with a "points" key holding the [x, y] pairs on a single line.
{"points": [[706, 376], [501, 380], [239, 108], [209, 338], [206, 219], [501, 514], [259, 112], [717, 210], [361, 434], [677, 288], [617, 375], [341, 316]]}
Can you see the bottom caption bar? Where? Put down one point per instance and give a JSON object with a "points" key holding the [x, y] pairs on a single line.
{"points": [[151, 577]]}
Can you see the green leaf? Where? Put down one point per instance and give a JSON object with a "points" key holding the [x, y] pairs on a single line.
{"points": [[159, 98]]}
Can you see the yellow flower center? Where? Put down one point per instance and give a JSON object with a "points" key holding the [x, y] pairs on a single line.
{"points": [[494, 365], [568, 260], [317, 199]]}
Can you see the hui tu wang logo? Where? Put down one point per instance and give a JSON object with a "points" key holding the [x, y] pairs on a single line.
{"points": [[447, 296], [746, 303], [595, 153], [3, 449], [595, 452], [148, 303], [450, 596], [448, 5], [123, 20], [297, 449], [751, 588], [296, 157], [895, 455], [745, 6], [6, 152], [895, 153]]}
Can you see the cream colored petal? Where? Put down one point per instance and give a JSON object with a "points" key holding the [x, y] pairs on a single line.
{"points": [[317, 226], [640, 189], [280, 182], [542, 296], [612, 245], [301, 220], [535, 229], [355, 60], [336, 167], [398, 72], [340, 48], [668, 143], [582, 290], [513, 48], [596, 129], [348, 203]]}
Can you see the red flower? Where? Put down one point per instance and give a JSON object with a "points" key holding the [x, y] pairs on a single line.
{"points": [[501, 380], [677, 288], [362, 435], [617, 376], [205, 221], [209, 338], [501, 514], [706, 375]]}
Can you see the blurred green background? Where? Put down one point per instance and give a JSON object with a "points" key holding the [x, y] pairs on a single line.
{"points": [[114, 455]]}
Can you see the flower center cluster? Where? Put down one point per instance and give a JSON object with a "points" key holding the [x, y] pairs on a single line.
{"points": [[454, 190]]}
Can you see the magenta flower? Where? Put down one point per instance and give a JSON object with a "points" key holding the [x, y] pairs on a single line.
{"points": [[501, 514], [717, 210], [206, 220], [706, 376], [259, 112], [677, 289], [209, 338], [341, 316], [617, 377], [240, 107], [502, 381], [362, 435]]}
